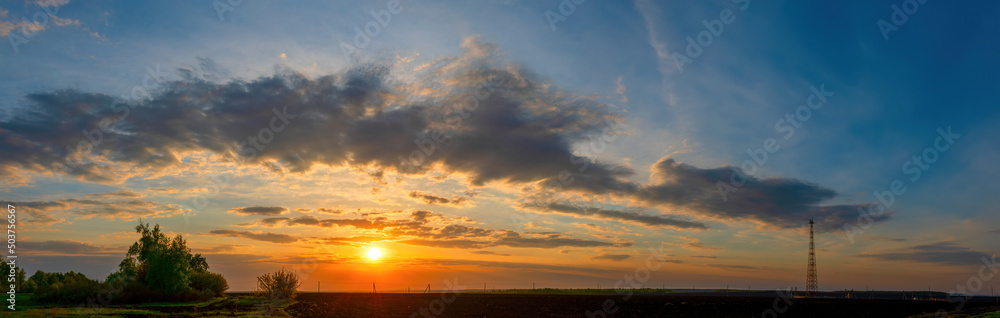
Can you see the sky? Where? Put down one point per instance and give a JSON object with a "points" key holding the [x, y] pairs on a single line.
{"points": [[510, 143]]}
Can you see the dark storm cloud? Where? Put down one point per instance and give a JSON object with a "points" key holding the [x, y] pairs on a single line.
{"points": [[624, 216], [613, 257], [436, 200], [260, 236], [462, 113], [259, 210], [783, 202], [469, 114], [944, 253]]}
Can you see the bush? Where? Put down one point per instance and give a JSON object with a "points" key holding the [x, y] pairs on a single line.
{"points": [[70, 288], [210, 284], [279, 285]]}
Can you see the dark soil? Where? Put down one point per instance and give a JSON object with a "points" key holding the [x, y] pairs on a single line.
{"points": [[507, 305]]}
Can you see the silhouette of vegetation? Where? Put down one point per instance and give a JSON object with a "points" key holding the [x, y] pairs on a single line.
{"points": [[279, 285], [21, 282], [155, 268], [60, 288]]}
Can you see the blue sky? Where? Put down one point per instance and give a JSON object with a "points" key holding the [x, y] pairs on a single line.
{"points": [[890, 96]]}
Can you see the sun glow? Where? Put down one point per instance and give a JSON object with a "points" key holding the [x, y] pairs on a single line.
{"points": [[374, 253]]}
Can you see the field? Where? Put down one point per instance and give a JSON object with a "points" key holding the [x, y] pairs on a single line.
{"points": [[539, 304], [542, 305]]}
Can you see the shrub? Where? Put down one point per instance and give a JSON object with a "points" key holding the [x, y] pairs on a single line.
{"points": [[70, 288], [278, 285], [214, 284]]}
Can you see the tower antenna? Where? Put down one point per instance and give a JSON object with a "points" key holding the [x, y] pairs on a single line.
{"points": [[811, 285]]}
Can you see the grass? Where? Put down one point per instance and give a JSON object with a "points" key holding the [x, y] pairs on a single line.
{"points": [[218, 306]]}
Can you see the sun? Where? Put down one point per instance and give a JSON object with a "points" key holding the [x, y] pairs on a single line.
{"points": [[374, 253]]}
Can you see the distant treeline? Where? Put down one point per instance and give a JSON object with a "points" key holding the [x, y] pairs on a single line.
{"points": [[155, 268]]}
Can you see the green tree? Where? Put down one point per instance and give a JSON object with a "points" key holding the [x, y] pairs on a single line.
{"points": [[20, 281], [166, 265], [68, 288]]}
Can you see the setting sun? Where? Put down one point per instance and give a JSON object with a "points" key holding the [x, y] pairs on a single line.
{"points": [[374, 253]]}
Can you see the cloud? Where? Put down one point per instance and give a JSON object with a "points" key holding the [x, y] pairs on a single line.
{"points": [[740, 267], [693, 244], [116, 193], [945, 253], [621, 90], [511, 132], [702, 256], [61, 247], [513, 265], [259, 210], [490, 253], [353, 240], [622, 216], [885, 238], [103, 205], [221, 248], [51, 3], [426, 228], [436, 200], [612, 257], [165, 190], [259, 236], [30, 27], [331, 211], [781, 202], [469, 114]]}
